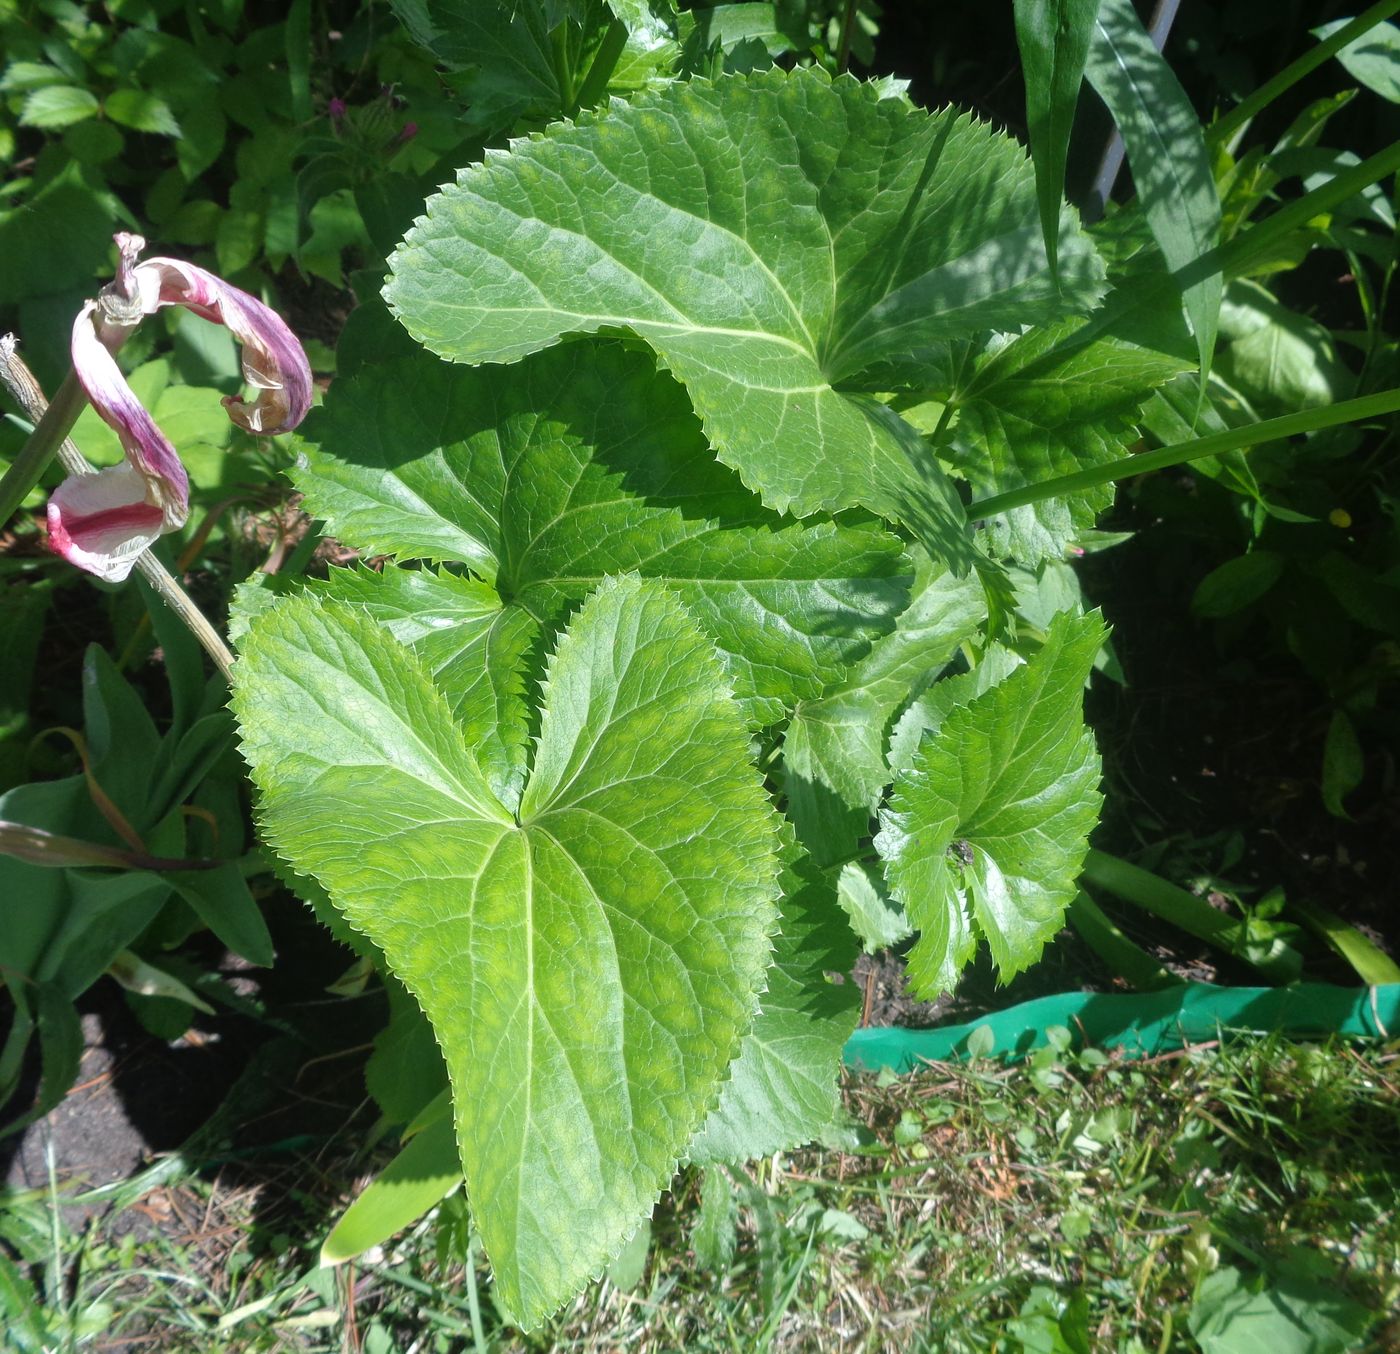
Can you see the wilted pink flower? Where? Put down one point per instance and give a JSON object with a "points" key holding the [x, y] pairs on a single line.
{"points": [[102, 522]]}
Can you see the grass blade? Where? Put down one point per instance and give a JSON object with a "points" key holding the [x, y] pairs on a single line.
{"points": [[1053, 36], [1373, 966], [1167, 153], [1125, 957]]}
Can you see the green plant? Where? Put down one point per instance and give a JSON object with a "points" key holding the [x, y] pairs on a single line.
{"points": [[721, 540], [728, 626]]}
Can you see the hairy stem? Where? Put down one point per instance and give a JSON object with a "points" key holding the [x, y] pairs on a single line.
{"points": [[48, 436], [19, 381]]}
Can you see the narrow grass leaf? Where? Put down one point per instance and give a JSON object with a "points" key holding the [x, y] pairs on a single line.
{"points": [[1053, 36], [1167, 152]]}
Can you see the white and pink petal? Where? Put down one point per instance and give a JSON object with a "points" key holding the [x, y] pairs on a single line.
{"points": [[102, 522]]}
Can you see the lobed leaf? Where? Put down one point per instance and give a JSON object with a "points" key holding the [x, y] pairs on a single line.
{"points": [[770, 237], [590, 962], [986, 832]]}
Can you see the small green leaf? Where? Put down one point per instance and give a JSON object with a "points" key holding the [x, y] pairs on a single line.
{"points": [[590, 962], [1167, 152], [141, 111], [56, 106], [1236, 584], [1343, 763], [1373, 58], [220, 898], [424, 1173], [986, 833], [1053, 36], [628, 1267], [765, 263], [875, 917], [716, 1233]]}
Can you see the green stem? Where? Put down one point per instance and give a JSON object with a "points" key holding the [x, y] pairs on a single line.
{"points": [[595, 83], [1289, 76], [43, 443], [1247, 247], [1191, 914], [1232, 439]]}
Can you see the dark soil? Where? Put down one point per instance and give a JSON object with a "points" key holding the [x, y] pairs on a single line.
{"points": [[235, 1088]]}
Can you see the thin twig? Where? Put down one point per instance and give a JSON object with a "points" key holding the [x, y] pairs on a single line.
{"points": [[26, 391]]}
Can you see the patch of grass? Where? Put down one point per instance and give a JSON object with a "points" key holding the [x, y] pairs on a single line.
{"points": [[1067, 1204]]}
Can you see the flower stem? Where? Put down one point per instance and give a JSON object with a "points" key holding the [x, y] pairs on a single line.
{"points": [[19, 381], [48, 435]]}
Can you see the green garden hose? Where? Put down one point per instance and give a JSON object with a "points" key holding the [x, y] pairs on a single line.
{"points": [[1144, 1023]]}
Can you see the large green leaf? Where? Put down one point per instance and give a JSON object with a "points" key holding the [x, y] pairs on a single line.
{"points": [[771, 237], [1043, 405], [1167, 153], [834, 748], [782, 1091], [585, 463], [590, 962], [986, 833]]}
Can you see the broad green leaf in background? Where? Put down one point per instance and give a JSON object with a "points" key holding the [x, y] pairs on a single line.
{"points": [[1279, 360], [782, 1090], [590, 962], [1053, 37], [1373, 58], [586, 462], [1042, 405], [141, 111], [986, 833], [1236, 584], [1167, 153], [738, 230], [1343, 763], [1281, 1313], [834, 747], [59, 236], [539, 59]]}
